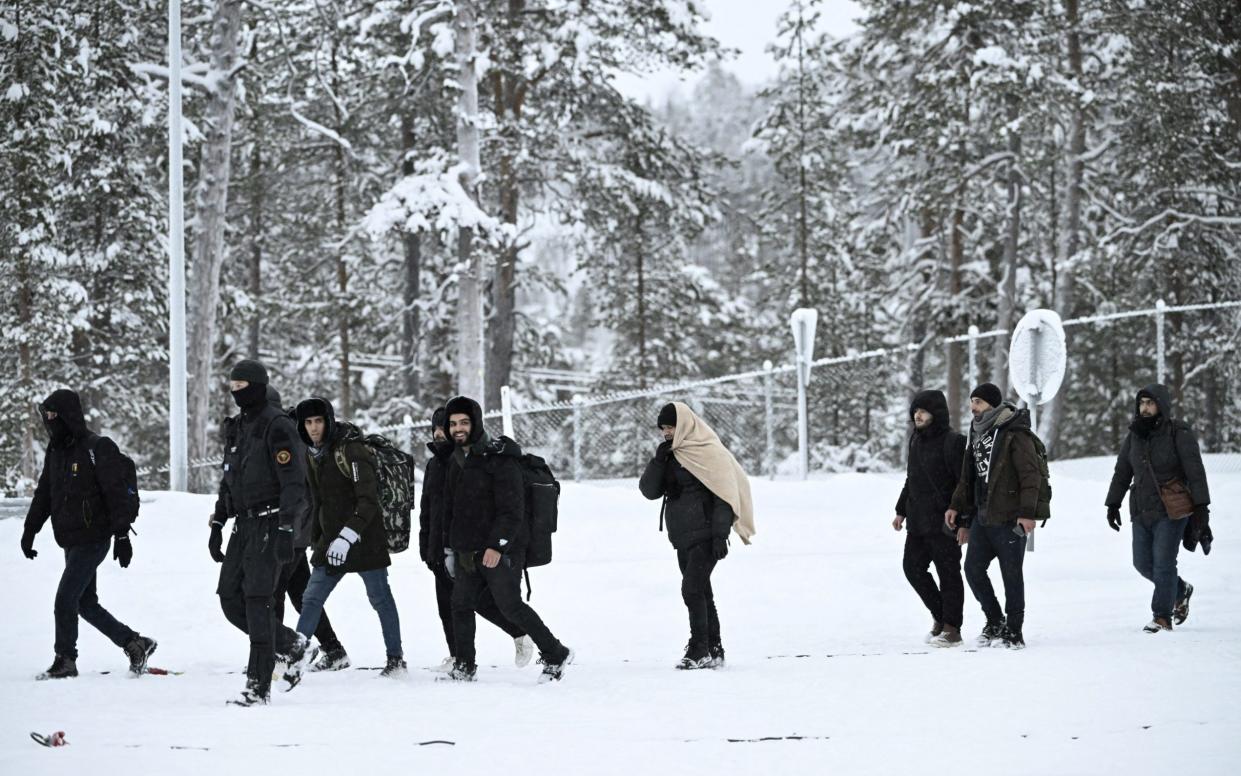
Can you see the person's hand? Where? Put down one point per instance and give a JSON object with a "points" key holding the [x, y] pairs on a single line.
{"points": [[122, 551], [1113, 518], [28, 546], [898, 523], [950, 517], [340, 546], [450, 563], [1026, 524], [215, 542], [491, 559], [963, 536], [664, 450], [284, 544], [719, 548]]}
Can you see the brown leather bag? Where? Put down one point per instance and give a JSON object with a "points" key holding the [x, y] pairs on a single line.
{"points": [[1174, 494]]}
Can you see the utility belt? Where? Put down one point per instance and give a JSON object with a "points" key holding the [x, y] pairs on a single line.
{"points": [[258, 512]]}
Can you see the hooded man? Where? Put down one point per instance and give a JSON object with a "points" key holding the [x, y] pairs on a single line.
{"points": [[347, 528], [485, 525], [1161, 450], [935, 455], [83, 489], [1000, 480], [264, 488], [706, 494], [436, 553]]}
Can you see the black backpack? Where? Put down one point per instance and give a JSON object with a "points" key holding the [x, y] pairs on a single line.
{"points": [[394, 475], [542, 508], [129, 507]]}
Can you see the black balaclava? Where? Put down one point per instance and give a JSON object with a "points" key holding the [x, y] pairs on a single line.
{"points": [[254, 394], [69, 423]]}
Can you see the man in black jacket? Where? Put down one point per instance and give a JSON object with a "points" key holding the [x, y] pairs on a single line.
{"points": [[434, 550], [1158, 449], [485, 522], [264, 488], [347, 529], [83, 490], [935, 455]]}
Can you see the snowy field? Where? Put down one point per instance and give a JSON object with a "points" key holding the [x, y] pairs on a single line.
{"points": [[824, 641]]}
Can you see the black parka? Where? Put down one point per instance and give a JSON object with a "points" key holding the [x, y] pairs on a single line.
{"points": [[431, 539], [484, 491], [692, 512], [82, 483], [1171, 450], [935, 457]]}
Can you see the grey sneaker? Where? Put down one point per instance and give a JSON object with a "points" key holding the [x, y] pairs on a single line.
{"points": [[395, 668]]}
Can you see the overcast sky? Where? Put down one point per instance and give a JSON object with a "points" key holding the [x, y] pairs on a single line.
{"points": [[747, 25]]}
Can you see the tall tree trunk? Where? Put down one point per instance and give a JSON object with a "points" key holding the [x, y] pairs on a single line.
{"points": [[470, 352], [640, 258], [411, 242], [344, 319], [210, 204], [257, 188], [956, 255], [1070, 243], [1007, 317]]}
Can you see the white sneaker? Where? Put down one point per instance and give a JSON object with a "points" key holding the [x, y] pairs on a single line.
{"points": [[524, 651], [445, 666]]}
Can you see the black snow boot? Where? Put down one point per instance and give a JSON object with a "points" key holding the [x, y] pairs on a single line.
{"points": [[1181, 613], [695, 658], [395, 668], [253, 695], [717, 655], [138, 650], [1011, 638], [461, 672], [62, 668], [332, 660], [991, 632], [552, 671]]}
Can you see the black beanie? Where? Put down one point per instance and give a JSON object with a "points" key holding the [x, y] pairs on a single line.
{"points": [[989, 393], [251, 371], [439, 419], [667, 416]]}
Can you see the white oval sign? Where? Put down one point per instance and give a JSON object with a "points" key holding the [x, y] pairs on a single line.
{"points": [[1037, 356]]}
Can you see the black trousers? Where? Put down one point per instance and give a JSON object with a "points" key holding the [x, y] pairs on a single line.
{"points": [[696, 564], [946, 601], [487, 609], [987, 543], [248, 579], [293, 580], [76, 596], [503, 582]]}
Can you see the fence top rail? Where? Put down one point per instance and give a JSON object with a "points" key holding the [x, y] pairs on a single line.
{"points": [[978, 336], [1184, 308]]}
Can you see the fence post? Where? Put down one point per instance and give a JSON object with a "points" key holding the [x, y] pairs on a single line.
{"points": [[577, 438], [769, 457], [506, 412], [973, 351], [1159, 341]]}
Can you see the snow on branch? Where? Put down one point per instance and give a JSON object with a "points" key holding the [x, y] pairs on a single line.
{"points": [[318, 128], [188, 77], [432, 200]]}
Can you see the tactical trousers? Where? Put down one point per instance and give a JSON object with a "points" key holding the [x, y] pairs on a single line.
{"points": [[248, 579]]}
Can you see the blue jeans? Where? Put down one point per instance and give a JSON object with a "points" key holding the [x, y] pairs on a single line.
{"points": [[1154, 556], [321, 586], [76, 596]]}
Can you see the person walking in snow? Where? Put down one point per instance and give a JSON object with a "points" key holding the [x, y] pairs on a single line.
{"points": [[263, 489], [434, 549], [706, 493], [935, 456], [83, 489], [485, 525], [347, 529], [1160, 466], [1000, 483]]}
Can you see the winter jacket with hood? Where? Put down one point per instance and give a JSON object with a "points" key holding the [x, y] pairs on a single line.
{"points": [[264, 467], [1170, 447], [935, 456], [343, 499], [1000, 474], [83, 479], [484, 492], [431, 538]]}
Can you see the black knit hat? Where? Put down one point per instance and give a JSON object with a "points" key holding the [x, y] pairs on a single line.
{"points": [[439, 419], [252, 372], [990, 393], [667, 416]]}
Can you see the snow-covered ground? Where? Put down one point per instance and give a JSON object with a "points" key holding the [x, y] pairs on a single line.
{"points": [[824, 640]]}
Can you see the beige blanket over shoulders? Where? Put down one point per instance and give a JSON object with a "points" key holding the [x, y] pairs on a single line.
{"points": [[699, 449]]}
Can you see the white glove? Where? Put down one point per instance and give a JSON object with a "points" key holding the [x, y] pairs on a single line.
{"points": [[340, 546], [450, 563]]}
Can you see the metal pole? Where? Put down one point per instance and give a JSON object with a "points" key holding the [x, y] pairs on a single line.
{"points": [[178, 457], [1160, 369], [577, 438], [769, 462], [506, 412], [803, 423], [973, 351]]}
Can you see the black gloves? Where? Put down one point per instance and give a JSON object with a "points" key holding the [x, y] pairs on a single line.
{"points": [[284, 544], [1113, 518], [28, 545], [122, 551], [719, 547], [663, 451], [1199, 530], [215, 542]]}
